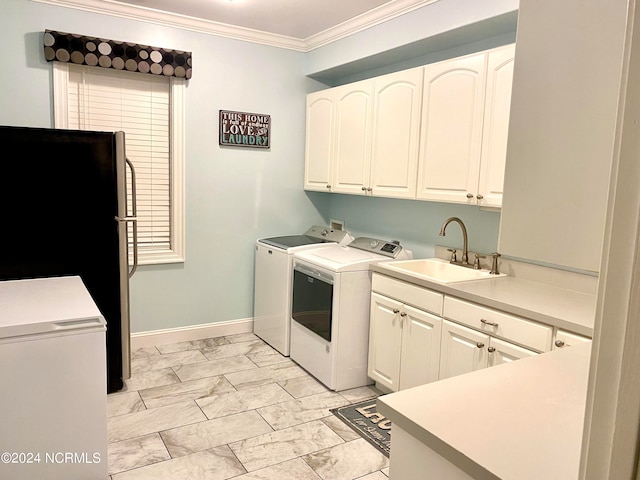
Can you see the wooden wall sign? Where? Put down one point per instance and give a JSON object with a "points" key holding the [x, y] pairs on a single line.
{"points": [[241, 129]]}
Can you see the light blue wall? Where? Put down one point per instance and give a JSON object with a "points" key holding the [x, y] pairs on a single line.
{"points": [[25, 82], [233, 196], [425, 59]]}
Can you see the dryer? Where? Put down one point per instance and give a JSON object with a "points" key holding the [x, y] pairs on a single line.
{"points": [[331, 307], [273, 277]]}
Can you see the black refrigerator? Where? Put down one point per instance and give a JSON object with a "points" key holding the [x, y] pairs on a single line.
{"points": [[64, 200]]}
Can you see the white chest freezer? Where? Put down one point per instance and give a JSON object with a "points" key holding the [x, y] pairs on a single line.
{"points": [[53, 412]]}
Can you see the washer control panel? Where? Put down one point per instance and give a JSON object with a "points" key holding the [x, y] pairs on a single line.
{"points": [[319, 232]]}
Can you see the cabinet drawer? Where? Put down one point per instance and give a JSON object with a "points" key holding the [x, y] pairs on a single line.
{"points": [[516, 329], [419, 297]]}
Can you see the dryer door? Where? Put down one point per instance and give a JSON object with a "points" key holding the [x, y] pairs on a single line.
{"points": [[313, 300]]}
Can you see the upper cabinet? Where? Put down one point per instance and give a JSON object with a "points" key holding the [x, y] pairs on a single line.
{"points": [[352, 135], [362, 138], [465, 119], [497, 108], [431, 133], [452, 129], [396, 134], [318, 164]]}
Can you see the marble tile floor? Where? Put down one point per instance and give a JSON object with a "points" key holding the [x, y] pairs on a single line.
{"points": [[232, 407]]}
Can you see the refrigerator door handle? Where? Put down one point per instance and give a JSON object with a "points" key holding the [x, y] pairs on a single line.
{"points": [[123, 218], [133, 218]]}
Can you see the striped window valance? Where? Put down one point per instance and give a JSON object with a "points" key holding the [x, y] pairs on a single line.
{"points": [[100, 52]]}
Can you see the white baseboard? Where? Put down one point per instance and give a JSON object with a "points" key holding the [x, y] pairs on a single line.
{"points": [[193, 332]]}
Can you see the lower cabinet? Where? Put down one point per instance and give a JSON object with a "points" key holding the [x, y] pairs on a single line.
{"points": [[404, 344], [464, 350], [566, 339], [418, 335], [506, 352]]}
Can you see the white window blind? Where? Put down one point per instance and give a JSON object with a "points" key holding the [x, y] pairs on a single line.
{"points": [[140, 105]]}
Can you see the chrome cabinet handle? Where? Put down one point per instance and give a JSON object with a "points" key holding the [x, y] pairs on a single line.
{"points": [[487, 322], [369, 189], [396, 311], [491, 349], [559, 343], [403, 314], [480, 345], [328, 186], [469, 195], [364, 189], [479, 197]]}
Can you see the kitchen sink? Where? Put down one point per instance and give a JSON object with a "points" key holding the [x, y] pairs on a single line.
{"points": [[438, 270]]}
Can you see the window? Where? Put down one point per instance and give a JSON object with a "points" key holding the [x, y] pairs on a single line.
{"points": [[149, 109]]}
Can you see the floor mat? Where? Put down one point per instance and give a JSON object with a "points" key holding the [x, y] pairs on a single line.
{"points": [[368, 423]]}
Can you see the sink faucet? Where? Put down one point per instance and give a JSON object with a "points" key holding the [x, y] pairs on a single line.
{"points": [[465, 252]]}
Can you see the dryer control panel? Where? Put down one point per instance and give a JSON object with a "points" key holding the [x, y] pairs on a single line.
{"points": [[381, 247]]}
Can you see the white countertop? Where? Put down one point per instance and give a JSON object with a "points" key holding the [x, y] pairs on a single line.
{"points": [[517, 421], [560, 307], [43, 305]]}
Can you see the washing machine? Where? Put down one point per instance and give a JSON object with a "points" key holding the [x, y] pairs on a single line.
{"points": [[331, 307], [273, 277]]}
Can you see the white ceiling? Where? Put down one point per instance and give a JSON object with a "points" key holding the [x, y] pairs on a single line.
{"points": [[292, 18]]}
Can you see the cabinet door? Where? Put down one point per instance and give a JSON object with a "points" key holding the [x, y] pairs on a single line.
{"points": [[420, 359], [396, 130], [495, 125], [385, 339], [352, 155], [566, 339], [462, 350], [318, 159], [504, 352], [451, 138]]}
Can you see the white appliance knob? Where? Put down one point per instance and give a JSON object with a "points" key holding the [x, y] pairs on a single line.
{"points": [[374, 243]]}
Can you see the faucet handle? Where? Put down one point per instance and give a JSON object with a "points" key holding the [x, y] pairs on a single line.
{"points": [[494, 263], [476, 261], [453, 255]]}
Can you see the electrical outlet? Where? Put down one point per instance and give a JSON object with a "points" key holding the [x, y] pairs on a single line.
{"points": [[337, 224]]}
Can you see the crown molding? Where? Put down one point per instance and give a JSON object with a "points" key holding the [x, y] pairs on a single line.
{"points": [[366, 20], [158, 17]]}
